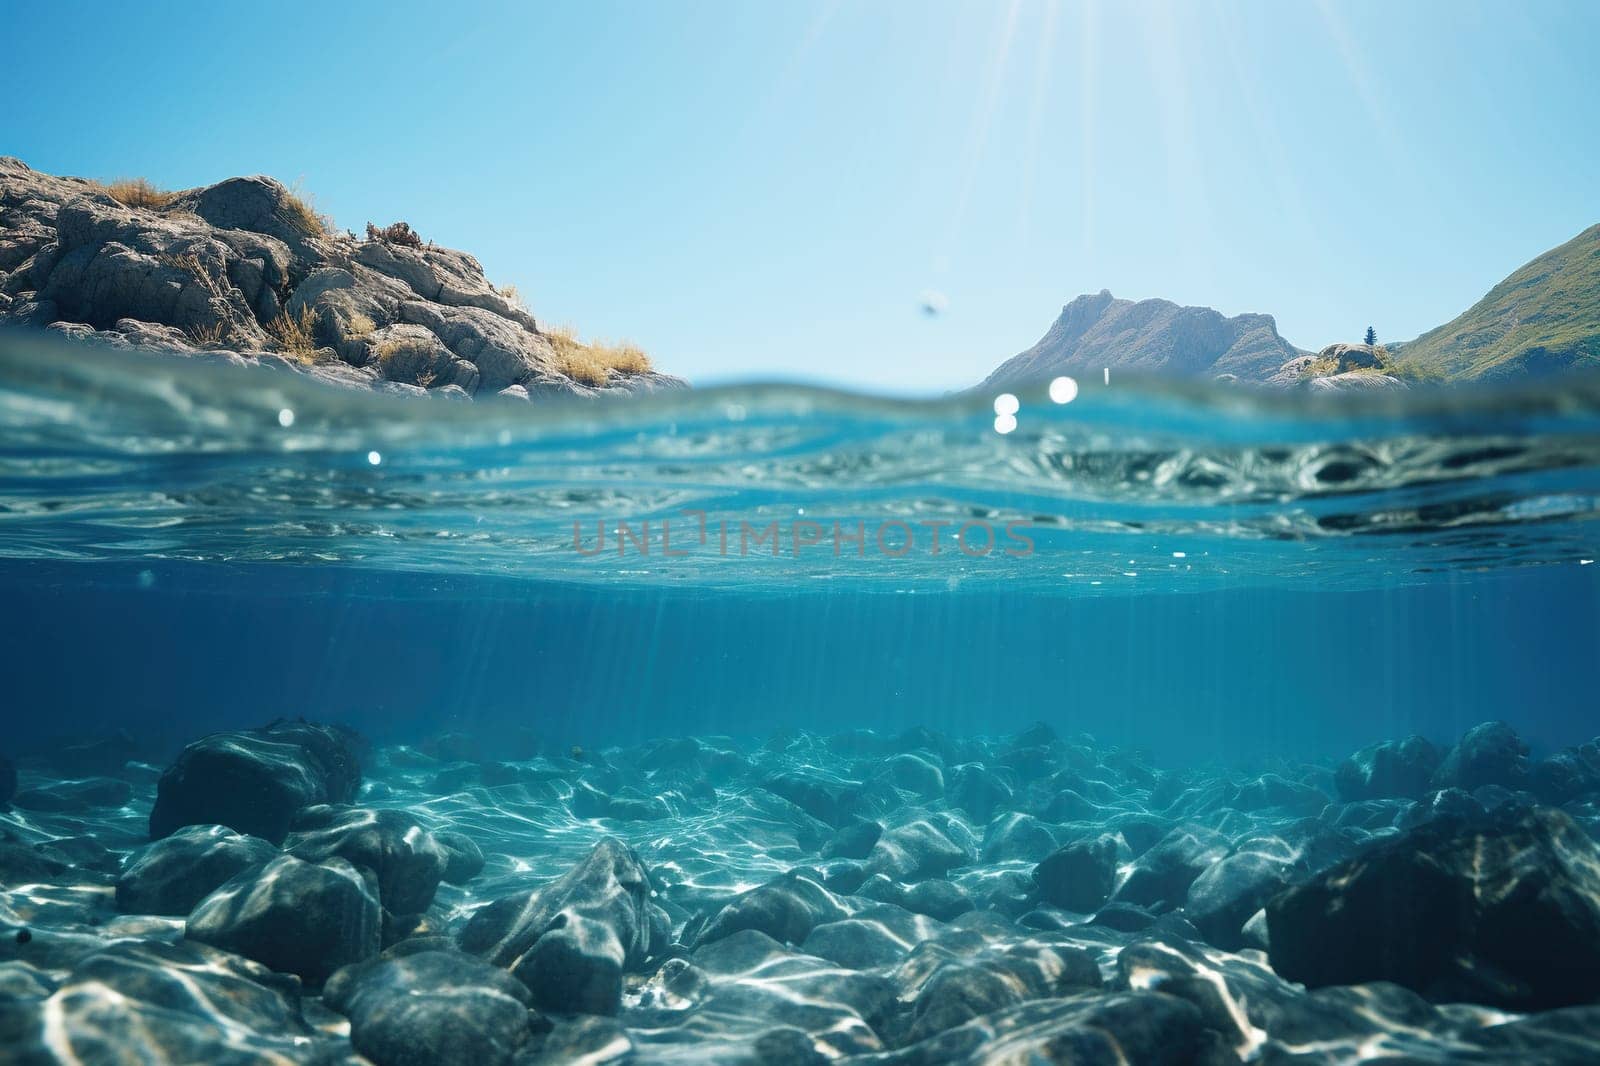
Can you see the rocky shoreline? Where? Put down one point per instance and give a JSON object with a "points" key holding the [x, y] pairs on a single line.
{"points": [[287, 894], [246, 271]]}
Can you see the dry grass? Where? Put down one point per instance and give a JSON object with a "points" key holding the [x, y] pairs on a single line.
{"points": [[593, 363], [296, 334], [302, 209], [190, 264], [359, 326], [511, 296], [139, 192], [208, 337]]}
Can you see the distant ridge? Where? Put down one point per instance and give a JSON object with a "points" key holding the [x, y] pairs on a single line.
{"points": [[1544, 318], [1150, 337]]}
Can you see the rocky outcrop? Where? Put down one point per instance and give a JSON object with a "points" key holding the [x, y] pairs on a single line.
{"points": [[244, 267]]}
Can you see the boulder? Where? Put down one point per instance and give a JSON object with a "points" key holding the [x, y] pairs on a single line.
{"points": [[256, 782], [463, 858], [979, 791], [149, 1002], [1504, 911], [913, 772], [1078, 877], [572, 940], [293, 916], [439, 1007], [918, 850], [173, 874], [1487, 754], [404, 858], [1403, 768], [786, 909], [1228, 892], [1567, 775], [854, 841], [1162, 875]]}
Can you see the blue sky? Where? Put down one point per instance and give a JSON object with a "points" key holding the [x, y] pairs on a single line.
{"points": [[766, 189]]}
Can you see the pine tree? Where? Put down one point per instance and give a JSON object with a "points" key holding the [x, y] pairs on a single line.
{"points": [[1372, 336]]}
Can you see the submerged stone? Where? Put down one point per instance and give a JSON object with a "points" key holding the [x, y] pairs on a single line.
{"points": [[1504, 911], [298, 917]]}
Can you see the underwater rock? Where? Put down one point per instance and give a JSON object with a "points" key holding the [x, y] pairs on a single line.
{"points": [[146, 1001], [74, 797], [753, 984], [1234, 995], [1148, 1028], [979, 791], [1079, 876], [19, 981], [1275, 792], [786, 909], [572, 940], [855, 840], [1567, 775], [877, 936], [1445, 803], [255, 782], [174, 873], [294, 916], [913, 772], [917, 850], [463, 858], [1403, 768], [1162, 875], [85, 853], [968, 985], [104, 757], [1227, 893], [828, 799], [1503, 911], [443, 1008], [1488, 754], [23, 864], [585, 1038], [1018, 837], [938, 899], [406, 860]]}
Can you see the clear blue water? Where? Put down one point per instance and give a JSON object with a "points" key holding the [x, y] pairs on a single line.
{"points": [[1201, 572]]}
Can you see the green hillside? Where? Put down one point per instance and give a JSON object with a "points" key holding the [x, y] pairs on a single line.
{"points": [[1543, 318]]}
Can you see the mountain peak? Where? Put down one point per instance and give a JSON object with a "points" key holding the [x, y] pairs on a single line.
{"points": [[1098, 330]]}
